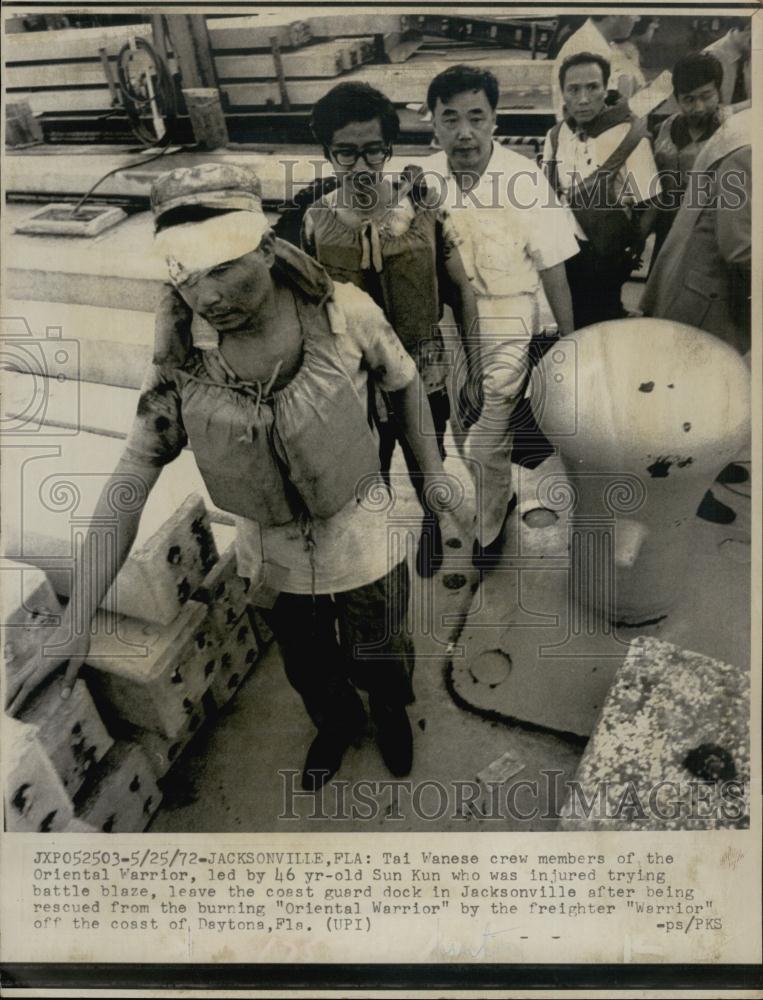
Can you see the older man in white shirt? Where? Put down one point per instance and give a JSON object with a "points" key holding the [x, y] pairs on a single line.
{"points": [[515, 238]]}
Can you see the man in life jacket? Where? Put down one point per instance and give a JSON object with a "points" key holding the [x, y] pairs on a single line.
{"points": [[277, 419], [697, 80], [514, 239], [599, 161], [602, 34], [376, 231]]}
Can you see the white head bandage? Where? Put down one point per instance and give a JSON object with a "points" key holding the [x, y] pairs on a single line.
{"points": [[192, 248]]}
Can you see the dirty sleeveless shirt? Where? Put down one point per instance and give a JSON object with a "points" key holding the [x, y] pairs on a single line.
{"points": [[201, 401]]}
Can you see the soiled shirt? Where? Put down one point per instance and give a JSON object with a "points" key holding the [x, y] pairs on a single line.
{"points": [[580, 155], [351, 548], [511, 225]]}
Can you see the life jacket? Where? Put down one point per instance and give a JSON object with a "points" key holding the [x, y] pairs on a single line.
{"points": [[401, 269], [607, 226], [277, 455]]}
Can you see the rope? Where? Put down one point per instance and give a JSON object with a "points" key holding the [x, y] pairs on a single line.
{"points": [[137, 103]]}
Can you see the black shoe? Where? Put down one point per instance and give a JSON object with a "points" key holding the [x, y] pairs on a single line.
{"points": [[324, 758], [395, 739], [487, 556], [711, 509], [429, 552], [733, 473]]}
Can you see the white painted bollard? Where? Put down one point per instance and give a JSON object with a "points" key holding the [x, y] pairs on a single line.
{"points": [[646, 413]]}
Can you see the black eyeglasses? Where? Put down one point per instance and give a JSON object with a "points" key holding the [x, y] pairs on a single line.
{"points": [[374, 154]]}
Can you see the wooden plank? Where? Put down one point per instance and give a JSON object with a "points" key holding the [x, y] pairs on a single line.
{"points": [[523, 83], [192, 48], [517, 79], [361, 23], [74, 74], [325, 59], [255, 31], [50, 101], [71, 43]]}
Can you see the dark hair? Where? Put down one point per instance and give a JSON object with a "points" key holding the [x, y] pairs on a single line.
{"points": [[695, 70], [188, 213], [584, 59], [460, 78], [353, 102]]}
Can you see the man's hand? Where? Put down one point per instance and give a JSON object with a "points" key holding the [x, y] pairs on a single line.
{"points": [[62, 650]]}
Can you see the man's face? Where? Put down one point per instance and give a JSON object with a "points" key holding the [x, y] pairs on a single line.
{"points": [[229, 296], [699, 105], [584, 92], [350, 141], [464, 128]]}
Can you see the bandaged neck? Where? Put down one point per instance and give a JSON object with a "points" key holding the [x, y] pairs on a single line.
{"points": [[193, 248]]}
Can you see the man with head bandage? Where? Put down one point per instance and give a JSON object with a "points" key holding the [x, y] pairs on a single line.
{"points": [[277, 418]]}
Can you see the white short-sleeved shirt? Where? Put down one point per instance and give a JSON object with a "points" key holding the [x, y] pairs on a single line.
{"points": [[580, 155], [511, 225], [350, 548]]}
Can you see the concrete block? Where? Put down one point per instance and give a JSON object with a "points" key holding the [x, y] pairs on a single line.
{"points": [[224, 592], [35, 798], [30, 610], [671, 749], [69, 730], [162, 751], [153, 676], [160, 576], [123, 794], [80, 826], [58, 219], [239, 652], [262, 630]]}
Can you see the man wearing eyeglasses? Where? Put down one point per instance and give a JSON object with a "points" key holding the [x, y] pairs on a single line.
{"points": [[377, 231]]}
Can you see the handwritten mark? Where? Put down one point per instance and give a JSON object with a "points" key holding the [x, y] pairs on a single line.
{"points": [[731, 858]]}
